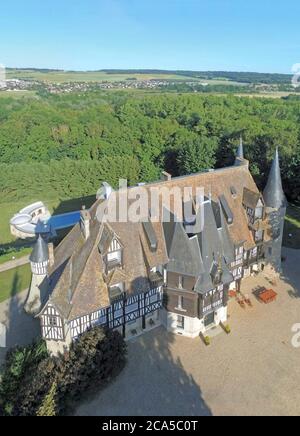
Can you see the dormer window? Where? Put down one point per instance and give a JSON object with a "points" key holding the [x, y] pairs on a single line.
{"points": [[180, 282], [114, 258], [259, 210], [112, 251], [116, 291]]}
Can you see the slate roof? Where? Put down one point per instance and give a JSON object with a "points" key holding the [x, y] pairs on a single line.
{"points": [[251, 198], [40, 251], [184, 255], [273, 194]]}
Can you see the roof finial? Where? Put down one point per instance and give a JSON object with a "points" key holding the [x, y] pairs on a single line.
{"points": [[240, 151], [239, 158], [273, 194]]}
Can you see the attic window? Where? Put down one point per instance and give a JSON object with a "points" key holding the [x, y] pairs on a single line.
{"points": [[216, 273], [116, 291], [151, 236], [226, 209], [233, 191]]}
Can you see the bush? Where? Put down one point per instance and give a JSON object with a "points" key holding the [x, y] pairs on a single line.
{"points": [[97, 357], [48, 386], [21, 362], [49, 405]]}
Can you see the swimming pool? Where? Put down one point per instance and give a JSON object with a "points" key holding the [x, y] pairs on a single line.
{"points": [[58, 222]]}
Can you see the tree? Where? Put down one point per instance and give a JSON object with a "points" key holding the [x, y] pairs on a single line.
{"points": [[198, 155], [48, 406]]}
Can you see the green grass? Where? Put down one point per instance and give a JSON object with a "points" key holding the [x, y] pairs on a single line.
{"points": [[9, 209], [14, 281], [19, 247], [292, 227], [16, 254]]}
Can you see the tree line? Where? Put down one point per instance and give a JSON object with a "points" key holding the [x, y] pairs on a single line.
{"points": [[65, 145]]}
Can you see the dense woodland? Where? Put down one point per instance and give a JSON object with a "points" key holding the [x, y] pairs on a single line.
{"points": [[63, 146]]}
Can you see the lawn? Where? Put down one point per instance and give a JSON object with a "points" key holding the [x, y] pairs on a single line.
{"points": [[14, 281], [20, 247], [54, 205], [15, 254], [291, 237], [89, 76]]}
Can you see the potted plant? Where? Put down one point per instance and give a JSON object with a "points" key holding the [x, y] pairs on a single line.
{"points": [[226, 328], [206, 339]]}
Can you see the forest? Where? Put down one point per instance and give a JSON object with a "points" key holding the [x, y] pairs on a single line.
{"points": [[63, 146]]}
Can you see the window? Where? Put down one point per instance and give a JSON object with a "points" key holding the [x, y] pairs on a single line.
{"points": [[180, 282], [180, 322], [52, 321], [180, 302], [114, 257], [259, 236], [113, 260], [270, 251], [259, 212]]}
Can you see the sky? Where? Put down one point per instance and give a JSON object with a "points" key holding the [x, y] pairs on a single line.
{"points": [[231, 35]]}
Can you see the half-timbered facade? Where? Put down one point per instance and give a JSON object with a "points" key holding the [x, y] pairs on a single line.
{"points": [[134, 276]]}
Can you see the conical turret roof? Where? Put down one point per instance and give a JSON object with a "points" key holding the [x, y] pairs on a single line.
{"points": [[240, 150], [40, 252], [239, 158], [273, 194]]}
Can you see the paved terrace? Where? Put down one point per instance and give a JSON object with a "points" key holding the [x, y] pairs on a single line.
{"points": [[253, 371]]}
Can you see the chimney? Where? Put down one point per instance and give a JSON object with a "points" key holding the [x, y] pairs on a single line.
{"points": [[51, 254], [104, 192], [165, 176], [85, 222]]}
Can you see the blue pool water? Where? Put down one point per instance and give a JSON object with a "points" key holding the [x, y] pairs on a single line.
{"points": [[58, 222]]}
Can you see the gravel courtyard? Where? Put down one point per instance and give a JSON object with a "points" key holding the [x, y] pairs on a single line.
{"points": [[253, 371]]}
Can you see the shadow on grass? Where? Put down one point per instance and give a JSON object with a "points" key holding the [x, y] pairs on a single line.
{"points": [[290, 271], [21, 328], [291, 236]]}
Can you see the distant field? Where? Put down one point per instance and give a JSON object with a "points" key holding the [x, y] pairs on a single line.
{"points": [[271, 94], [94, 76]]}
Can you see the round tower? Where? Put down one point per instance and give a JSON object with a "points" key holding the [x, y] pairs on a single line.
{"points": [[39, 258], [276, 203], [39, 262]]}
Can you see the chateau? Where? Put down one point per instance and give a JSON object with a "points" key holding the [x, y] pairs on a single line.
{"points": [[135, 276]]}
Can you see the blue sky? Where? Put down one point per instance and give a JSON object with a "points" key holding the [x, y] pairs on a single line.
{"points": [[258, 35]]}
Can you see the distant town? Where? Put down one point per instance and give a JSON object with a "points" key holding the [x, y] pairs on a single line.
{"points": [[63, 82]]}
